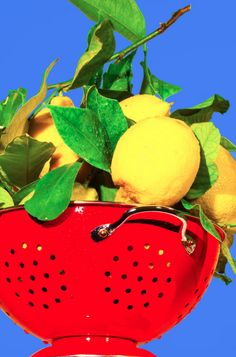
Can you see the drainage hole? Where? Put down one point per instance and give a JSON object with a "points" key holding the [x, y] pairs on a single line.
{"points": [[31, 303], [107, 289], [20, 279], [143, 292], [160, 295], [139, 278], [115, 258], [12, 251], [124, 276], [130, 307], [62, 272], [31, 291], [22, 265], [45, 306], [57, 300], [32, 277], [17, 294], [35, 263], [52, 257], [7, 264], [128, 291], [155, 280], [135, 264], [107, 273], [146, 304], [168, 280], [44, 289], [116, 301], [8, 280], [196, 291], [46, 275], [63, 288], [186, 305], [130, 248]]}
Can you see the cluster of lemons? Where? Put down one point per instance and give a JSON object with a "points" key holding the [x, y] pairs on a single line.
{"points": [[155, 161]]}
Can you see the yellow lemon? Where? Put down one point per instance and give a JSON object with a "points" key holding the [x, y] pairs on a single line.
{"points": [[219, 202], [81, 193], [42, 128], [144, 106], [156, 161]]}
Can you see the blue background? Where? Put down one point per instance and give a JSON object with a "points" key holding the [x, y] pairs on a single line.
{"points": [[198, 54]]}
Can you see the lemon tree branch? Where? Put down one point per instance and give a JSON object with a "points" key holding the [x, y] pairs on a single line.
{"points": [[119, 55]]}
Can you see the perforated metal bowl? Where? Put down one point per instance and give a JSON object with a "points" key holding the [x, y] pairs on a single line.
{"points": [[102, 277]]}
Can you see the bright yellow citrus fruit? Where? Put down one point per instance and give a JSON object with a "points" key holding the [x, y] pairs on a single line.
{"points": [[42, 128], [144, 106], [219, 202], [82, 193], [156, 161]]}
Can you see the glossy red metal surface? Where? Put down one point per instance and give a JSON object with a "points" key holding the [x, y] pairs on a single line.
{"points": [[60, 285]]}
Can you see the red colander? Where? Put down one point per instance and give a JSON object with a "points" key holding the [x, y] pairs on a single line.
{"points": [[102, 278]]}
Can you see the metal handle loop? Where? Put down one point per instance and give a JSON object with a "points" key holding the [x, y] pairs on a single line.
{"points": [[103, 231]]}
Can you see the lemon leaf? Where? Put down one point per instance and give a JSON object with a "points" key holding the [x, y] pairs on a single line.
{"points": [[223, 277], [19, 124], [226, 252], [153, 85], [10, 105], [109, 114], [202, 112], [227, 144], [82, 131], [24, 159], [5, 199], [101, 47], [209, 139], [119, 75], [24, 191], [125, 15], [53, 192], [206, 223]]}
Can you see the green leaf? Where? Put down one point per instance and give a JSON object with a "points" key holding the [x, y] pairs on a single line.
{"points": [[125, 15], [115, 94], [9, 106], [206, 223], [19, 124], [223, 277], [227, 144], [24, 192], [209, 139], [107, 194], [109, 114], [24, 159], [153, 85], [96, 79], [101, 47], [202, 112], [226, 252], [4, 182], [53, 192], [119, 75], [81, 130], [5, 199]]}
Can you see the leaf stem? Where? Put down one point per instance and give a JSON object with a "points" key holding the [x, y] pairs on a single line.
{"points": [[119, 55]]}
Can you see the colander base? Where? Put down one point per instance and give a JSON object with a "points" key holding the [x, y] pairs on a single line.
{"points": [[93, 346]]}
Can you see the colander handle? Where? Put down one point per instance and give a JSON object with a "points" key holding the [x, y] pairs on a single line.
{"points": [[103, 231]]}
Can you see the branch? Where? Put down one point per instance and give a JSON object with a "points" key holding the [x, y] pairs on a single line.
{"points": [[119, 55]]}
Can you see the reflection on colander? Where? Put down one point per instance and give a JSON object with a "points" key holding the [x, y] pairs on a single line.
{"points": [[102, 278]]}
